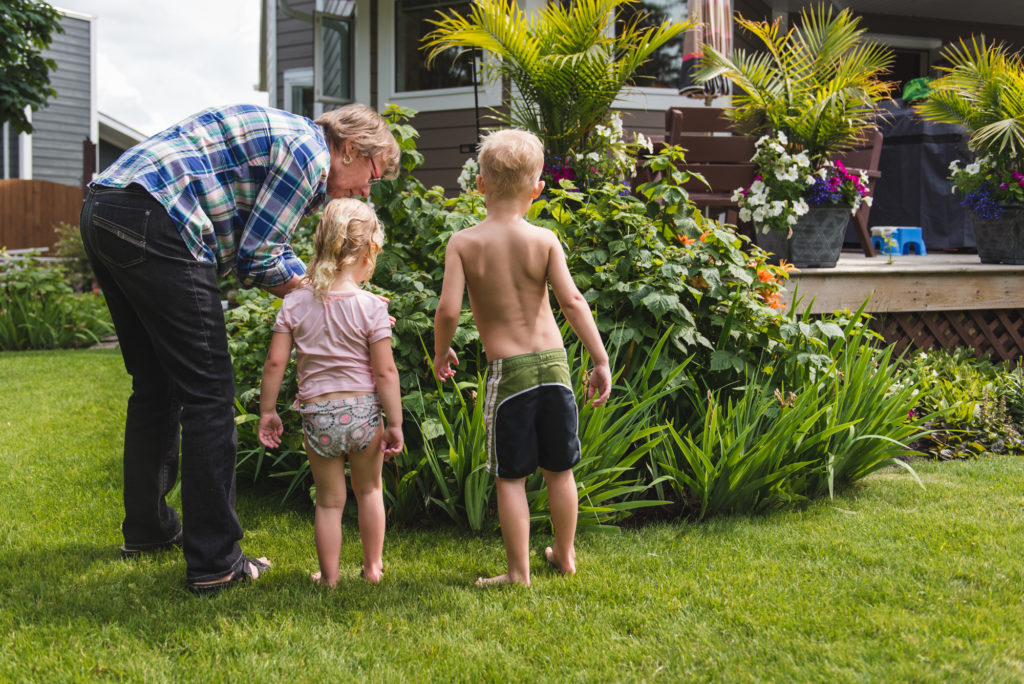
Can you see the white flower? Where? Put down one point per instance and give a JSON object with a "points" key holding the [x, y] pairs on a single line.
{"points": [[737, 195], [745, 215], [792, 219], [973, 168], [800, 207], [593, 157], [777, 208], [644, 142], [759, 215], [602, 131], [810, 180], [782, 138], [868, 200], [467, 177], [802, 159], [757, 187]]}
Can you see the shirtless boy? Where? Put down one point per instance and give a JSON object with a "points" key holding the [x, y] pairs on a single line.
{"points": [[507, 265]]}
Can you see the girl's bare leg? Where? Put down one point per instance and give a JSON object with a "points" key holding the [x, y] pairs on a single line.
{"points": [[329, 477], [365, 470], [514, 515], [564, 502]]}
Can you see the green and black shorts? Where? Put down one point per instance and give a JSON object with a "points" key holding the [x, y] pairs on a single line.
{"points": [[531, 415]]}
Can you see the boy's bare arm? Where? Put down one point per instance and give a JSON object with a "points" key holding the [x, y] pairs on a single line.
{"points": [[449, 307], [577, 311]]}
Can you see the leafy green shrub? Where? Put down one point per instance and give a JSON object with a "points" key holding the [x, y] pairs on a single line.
{"points": [[71, 250], [689, 310], [975, 406], [39, 310], [770, 447]]}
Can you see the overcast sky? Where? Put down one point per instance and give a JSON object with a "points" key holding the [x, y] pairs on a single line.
{"points": [[158, 62]]}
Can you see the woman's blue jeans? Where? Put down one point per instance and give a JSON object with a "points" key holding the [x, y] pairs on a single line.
{"points": [[170, 325]]}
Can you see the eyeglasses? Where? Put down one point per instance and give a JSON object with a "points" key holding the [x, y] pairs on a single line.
{"points": [[375, 178]]}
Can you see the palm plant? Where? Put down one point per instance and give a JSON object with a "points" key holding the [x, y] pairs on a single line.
{"points": [[817, 83], [567, 65], [983, 91]]}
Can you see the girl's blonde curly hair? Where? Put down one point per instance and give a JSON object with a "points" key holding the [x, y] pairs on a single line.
{"points": [[348, 231]]}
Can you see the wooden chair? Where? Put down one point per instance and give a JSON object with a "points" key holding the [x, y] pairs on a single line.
{"points": [[721, 157], [865, 158]]}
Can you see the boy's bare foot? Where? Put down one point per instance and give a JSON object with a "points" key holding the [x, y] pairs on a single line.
{"points": [[567, 567], [317, 578], [372, 575], [500, 579]]}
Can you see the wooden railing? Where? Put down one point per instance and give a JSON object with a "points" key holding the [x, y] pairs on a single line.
{"points": [[30, 209]]}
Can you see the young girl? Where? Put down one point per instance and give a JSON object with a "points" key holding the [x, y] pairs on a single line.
{"points": [[347, 374]]}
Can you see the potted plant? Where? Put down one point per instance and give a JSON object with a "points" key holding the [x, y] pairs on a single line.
{"points": [[811, 94], [566, 62], [982, 89]]}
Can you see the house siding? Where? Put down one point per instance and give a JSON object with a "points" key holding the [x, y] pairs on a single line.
{"points": [[294, 45], [65, 122]]}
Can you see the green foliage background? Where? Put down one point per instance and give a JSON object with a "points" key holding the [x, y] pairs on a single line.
{"points": [[692, 317]]}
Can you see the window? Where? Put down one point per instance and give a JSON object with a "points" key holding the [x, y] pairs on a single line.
{"points": [[332, 58], [298, 93], [663, 67], [401, 76], [411, 72]]}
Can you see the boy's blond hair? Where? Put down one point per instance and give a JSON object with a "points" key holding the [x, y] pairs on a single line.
{"points": [[511, 161], [348, 231]]}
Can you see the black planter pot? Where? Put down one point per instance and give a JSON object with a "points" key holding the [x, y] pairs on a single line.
{"points": [[1001, 240], [816, 242]]}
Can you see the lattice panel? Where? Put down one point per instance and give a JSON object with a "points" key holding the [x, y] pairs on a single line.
{"points": [[996, 332]]}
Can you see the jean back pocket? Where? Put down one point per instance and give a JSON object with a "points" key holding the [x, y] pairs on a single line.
{"points": [[120, 233]]}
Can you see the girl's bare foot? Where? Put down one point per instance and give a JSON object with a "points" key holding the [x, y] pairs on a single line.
{"points": [[565, 567], [500, 579]]}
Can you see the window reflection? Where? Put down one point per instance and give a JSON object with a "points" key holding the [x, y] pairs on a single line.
{"points": [[411, 72]]}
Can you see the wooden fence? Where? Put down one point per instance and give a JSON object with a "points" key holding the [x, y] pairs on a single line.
{"points": [[30, 209]]}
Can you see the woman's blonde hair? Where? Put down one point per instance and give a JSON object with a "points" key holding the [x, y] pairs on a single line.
{"points": [[511, 161], [367, 131], [348, 231]]}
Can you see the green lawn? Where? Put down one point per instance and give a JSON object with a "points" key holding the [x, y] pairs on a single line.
{"points": [[887, 582]]}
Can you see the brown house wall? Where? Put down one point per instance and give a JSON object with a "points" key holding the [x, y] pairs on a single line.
{"points": [[947, 31]]}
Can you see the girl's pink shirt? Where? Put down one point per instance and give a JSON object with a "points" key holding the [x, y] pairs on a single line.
{"points": [[332, 339]]}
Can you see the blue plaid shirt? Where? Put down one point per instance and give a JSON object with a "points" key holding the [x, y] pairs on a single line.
{"points": [[235, 180]]}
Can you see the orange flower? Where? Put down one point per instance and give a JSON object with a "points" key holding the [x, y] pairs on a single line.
{"points": [[765, 276], [704, 235], [687, 241], [775, 301], [787, 267]]}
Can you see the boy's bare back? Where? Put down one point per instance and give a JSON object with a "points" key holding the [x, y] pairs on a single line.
{"points": [[506, 266]]}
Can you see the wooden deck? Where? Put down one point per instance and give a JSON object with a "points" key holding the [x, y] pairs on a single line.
{"points": [[944, 300], [935, 282]]}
